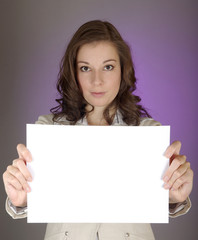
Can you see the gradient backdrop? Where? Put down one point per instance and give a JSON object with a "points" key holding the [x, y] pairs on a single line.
{"points": [[163, 36]]}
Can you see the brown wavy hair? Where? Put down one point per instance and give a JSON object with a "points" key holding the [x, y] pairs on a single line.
{"points": [[71, 103]]}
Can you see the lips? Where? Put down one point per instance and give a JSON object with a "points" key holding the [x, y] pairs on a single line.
{"points": [[98, 94]]}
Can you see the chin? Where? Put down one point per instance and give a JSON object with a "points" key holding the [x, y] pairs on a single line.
{"points": [[99, 104]]}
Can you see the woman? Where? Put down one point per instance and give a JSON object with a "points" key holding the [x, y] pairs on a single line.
{"points": [[96, 84]]}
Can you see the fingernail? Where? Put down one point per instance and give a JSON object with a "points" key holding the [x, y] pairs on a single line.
{"points": [[165, 179], [29, 179], [28, 189], [166, 186], [166, 154], [172, 189]]}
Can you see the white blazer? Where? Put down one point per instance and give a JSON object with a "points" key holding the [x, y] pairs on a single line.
{"points": [[103, 231]]}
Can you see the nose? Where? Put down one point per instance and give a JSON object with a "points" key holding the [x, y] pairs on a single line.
{"points": [[97, 78]]}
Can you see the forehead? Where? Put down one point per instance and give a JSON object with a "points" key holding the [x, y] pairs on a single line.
{"points": [[102, 50]]}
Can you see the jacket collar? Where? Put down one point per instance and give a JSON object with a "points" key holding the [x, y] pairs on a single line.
{"points": [[116, 121]]}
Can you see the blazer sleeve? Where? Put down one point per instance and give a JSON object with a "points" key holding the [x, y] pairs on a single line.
{"points": [[14, 212], [179, 209]]}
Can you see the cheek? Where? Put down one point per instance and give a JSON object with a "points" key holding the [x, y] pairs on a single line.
{"points": [[115, 83], [81, 81], [83, 85]]}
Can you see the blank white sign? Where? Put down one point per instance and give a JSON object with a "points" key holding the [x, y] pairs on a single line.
{"points": [[106, 174]]}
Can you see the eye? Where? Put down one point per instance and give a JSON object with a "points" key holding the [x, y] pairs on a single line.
{"points": [[109, 67], [85, 69]]}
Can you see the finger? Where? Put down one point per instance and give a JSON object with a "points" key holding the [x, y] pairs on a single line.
{"points": [[16, 179], [9, 179], [185, 178], [20, 164], [24, 153], [177, 174], [174, 148], [175, 164]]}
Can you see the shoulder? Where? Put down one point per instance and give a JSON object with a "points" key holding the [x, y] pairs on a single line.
{"points": [[45, 119], [149, 122], [48, 119]]}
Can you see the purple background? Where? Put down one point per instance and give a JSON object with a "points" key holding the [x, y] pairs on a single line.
{"points": [[163, 37]]}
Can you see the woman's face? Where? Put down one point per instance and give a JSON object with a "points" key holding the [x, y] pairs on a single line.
{"points": [[99, 73]]}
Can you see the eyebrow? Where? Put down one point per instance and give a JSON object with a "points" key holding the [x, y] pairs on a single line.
{"points": [[82, 62], [109, 60]]}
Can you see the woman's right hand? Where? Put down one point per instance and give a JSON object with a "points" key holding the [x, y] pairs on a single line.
{"points": [[16, 177]]}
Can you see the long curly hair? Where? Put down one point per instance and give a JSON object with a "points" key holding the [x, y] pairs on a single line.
{"points": [[71, 103]]}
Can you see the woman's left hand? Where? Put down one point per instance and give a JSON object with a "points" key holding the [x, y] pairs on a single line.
{"points": [[179, 176]]}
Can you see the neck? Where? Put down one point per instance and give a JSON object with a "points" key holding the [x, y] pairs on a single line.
{"points": [[96, 117]]}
